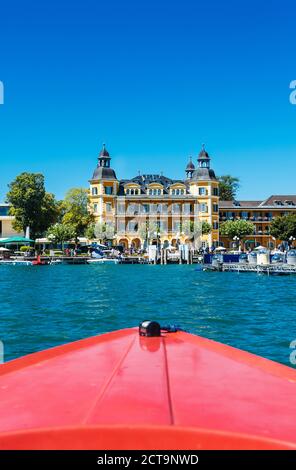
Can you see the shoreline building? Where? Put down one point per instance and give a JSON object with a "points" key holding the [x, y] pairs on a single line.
{"points": [[6, 230], [261, 214], [152, 208], [171, 206]]}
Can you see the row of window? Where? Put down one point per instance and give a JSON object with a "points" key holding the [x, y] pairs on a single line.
{"points": [[178, 192], [204, 191], [155, 208], [107, 190], [185, 208], [135, 209], [133, 226], [253, 216], [108, 207], [286, 202], [133, 192], [154, 192]]}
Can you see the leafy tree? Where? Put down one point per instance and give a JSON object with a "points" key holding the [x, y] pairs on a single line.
{"points": [[206, 228], [51, 211], [195, 228], [31, 205], [101, 231], [90, 231], [147, 230], [284, 227], [75, 207], [236, 228], [60, 233], [228, 187], [189, 228], [109, 231]]}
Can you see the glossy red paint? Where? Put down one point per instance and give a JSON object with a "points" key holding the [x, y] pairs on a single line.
{"points": [[122, 391]]}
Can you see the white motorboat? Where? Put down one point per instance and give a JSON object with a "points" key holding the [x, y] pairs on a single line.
{"points": [[56, 261], [16, 263], [103, 261]]}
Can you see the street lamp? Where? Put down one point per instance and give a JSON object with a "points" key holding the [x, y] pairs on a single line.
{"points": [[157, 233], [236, 240], [148, 238]]}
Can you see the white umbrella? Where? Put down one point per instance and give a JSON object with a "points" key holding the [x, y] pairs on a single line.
{"points": [[3, 249], [260, 247], [220, 248]]}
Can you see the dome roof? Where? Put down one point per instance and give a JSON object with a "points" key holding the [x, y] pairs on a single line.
{"points": [[104, 152], [102, 172], [203, 174], [203, 155], [190, 165]]}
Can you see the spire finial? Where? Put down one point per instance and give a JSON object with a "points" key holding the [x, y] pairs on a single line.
{"points": [[203, 146]]}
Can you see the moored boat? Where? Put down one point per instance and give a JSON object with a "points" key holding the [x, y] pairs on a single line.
{"points": [[146, 389], [103, 261], [14, 262]]}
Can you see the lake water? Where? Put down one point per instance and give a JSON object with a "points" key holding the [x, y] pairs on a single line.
{"points": [[41, 307]]}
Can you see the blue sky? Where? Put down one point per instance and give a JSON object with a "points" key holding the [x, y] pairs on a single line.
{"points": [[154, 80]]}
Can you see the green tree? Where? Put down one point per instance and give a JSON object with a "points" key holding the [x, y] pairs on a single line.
{"points": [[75, 207], [206, 228], [236, 228], [101, 231], [60, 233], [284, 227], [31, 205], [228, 187], [148, 229], [195, 228], [90, 232]]}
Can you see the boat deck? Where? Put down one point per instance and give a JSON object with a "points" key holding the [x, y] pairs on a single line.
{"points": [[279, 269], [122, 391]]}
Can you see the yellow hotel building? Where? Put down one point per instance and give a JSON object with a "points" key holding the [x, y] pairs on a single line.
{"points": [[167, 204], [171, 204]]}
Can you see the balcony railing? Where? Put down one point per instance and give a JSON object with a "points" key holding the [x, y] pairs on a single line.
{"points": [[251, 218]]}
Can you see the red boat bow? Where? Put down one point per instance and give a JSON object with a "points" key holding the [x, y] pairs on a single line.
{"points": [[124, 391]]}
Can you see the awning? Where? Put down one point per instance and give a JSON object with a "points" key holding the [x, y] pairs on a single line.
{"points": [[249, 241], [16, 240]]}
